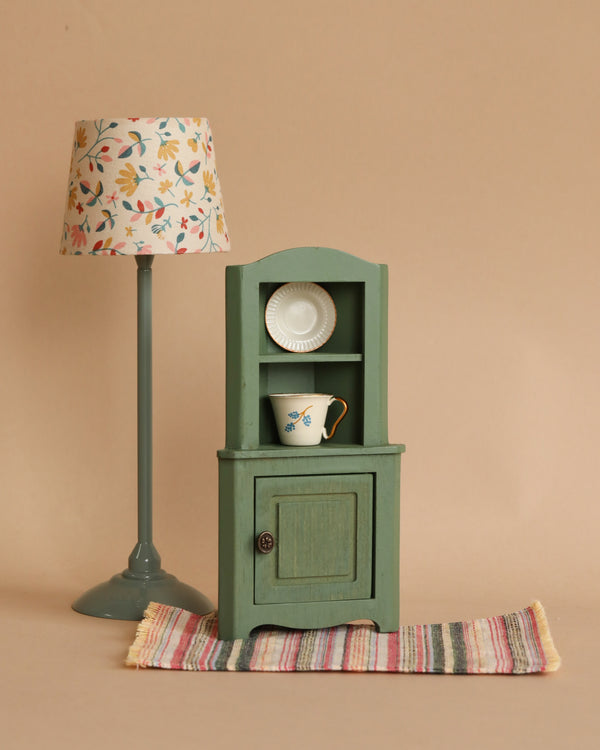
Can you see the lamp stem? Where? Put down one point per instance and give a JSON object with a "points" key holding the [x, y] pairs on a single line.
{"points": [[126, 595], [144, 559]]}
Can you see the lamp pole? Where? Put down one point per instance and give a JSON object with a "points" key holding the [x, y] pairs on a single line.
{"points": [[144, 560], [126, 595]]}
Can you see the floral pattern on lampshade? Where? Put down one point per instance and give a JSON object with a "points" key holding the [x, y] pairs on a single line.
{"points": [[143, 186]]}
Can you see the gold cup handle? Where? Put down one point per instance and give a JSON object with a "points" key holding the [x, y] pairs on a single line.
{"points": [[338, 420]]}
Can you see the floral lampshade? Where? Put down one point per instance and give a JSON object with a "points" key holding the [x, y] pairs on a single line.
{"points": [[143, 186]]}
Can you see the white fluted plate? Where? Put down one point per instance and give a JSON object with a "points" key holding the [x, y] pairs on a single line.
{"points": [[300, 316]]}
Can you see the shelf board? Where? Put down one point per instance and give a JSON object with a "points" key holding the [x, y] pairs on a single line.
{"points": [[323, 449], [288, 357]]}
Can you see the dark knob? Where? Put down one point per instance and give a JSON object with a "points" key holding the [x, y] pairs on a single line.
{"points": [[265, 542]]}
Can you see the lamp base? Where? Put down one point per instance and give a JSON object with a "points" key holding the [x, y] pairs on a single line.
{"points": [[125, 596]]}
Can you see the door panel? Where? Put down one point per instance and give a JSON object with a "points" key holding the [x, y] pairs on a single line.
{"points": [[322, 527]]}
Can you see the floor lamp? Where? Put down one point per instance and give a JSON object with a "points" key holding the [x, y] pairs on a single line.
{"points": [[143, 187]]}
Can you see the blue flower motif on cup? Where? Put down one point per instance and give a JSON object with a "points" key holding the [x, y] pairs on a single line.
{"points": [[299, 417]]}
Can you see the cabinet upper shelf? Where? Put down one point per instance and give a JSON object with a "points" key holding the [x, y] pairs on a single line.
{"points": [[308, 357]]}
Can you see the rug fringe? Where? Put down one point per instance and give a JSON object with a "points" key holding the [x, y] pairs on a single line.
{"points": [[141, 635], [547, 642]]}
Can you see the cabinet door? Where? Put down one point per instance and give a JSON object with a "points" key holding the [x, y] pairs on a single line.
{"points": [[322, 526]]}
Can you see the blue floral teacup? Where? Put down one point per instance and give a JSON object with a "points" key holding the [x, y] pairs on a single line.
{"points": [[300, 417]]}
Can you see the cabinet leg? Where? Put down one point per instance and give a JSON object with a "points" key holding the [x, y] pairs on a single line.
{"points": [[387, 624]]}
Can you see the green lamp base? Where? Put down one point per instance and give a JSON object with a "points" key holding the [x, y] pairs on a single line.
{"points": [[126, 596]]}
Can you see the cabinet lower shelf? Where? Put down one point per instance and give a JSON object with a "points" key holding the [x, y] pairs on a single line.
{"points": [[323, 450]]}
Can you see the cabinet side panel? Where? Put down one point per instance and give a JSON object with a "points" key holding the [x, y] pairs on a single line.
{"points": [[236, 546], [233, 354], [375, 364], [386, 541], [242, 361], [383, 353]]}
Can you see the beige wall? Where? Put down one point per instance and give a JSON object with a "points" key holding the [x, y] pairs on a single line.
{"points": [[455, 141]]}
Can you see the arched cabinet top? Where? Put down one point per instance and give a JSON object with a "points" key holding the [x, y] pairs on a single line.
{"points": [[311, 264]]}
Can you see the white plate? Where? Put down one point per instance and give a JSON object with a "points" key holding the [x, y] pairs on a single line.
{"points": [[300, 316]]}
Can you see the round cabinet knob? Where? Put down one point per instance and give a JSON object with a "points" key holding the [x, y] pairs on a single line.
{"points": [[265, 542]]}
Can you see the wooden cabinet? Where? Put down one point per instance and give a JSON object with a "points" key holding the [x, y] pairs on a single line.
{"points": [[329, 513]]}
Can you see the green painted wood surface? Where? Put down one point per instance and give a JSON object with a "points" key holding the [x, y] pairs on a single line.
{"points": [[239, 475], [323, 535], [328, 448], [335, 506]]}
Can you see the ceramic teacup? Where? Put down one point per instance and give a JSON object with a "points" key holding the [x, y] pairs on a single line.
{"points": [[300, 417]]}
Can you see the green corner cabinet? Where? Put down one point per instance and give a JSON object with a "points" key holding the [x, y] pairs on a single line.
{"points": [[331, 511]]}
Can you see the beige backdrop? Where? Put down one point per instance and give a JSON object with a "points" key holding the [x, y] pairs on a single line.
{"points": [[458, 142]]}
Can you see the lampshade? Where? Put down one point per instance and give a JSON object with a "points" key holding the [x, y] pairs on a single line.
{"points": [[143, 186]]}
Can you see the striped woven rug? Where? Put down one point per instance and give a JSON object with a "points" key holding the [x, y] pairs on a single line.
{"points": [[518, 643]]}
